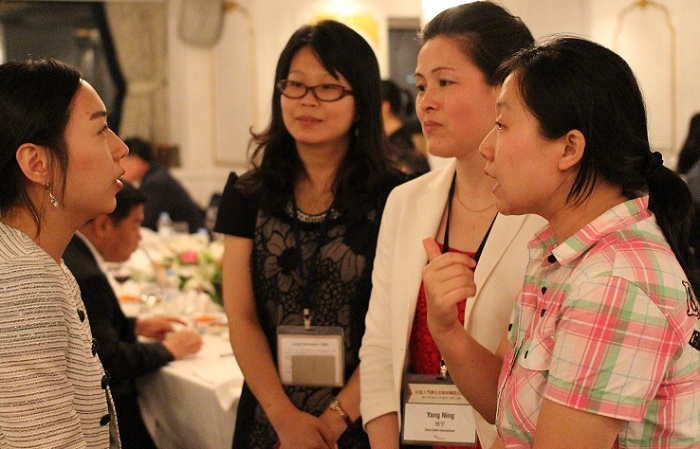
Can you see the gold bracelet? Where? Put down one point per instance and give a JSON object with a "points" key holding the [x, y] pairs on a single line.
{"points": [[335, 406]]}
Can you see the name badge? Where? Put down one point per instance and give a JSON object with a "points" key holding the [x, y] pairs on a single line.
{"points": [[435, 413], [313, 357]]}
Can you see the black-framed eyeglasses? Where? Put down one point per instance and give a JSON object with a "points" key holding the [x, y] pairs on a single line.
{"points": [[322, 92]]}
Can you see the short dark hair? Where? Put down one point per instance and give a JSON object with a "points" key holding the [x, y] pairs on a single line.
{"points": [[35, 104], [127, 198], [570, 83], [141, 148], [690, 151], [488, 34], [358, 182], [400, 99]]}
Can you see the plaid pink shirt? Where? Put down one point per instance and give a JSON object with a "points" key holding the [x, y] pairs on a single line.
{"points": [[603, 325]]}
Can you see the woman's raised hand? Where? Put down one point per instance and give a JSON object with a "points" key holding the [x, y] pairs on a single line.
{"points": [[448, 279]]}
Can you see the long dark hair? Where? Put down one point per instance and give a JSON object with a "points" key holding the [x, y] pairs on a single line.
{"points": [[277, 165], [35, 104], [488, 34], [571, 83]]}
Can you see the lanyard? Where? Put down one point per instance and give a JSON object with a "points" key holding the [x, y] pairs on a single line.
{"points": [[446, 240], [310, 277], [446, 248]]}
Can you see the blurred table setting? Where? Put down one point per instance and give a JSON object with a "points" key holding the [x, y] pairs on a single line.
{"points": [[188, 403], [176, 261], [192, 403]]}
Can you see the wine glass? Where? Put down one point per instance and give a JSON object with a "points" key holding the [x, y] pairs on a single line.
{"points": [[121, 274], [151, 297]]}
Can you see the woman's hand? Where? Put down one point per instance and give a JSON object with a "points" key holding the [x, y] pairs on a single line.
{"points": [[301, 430], [448, 279], [334, 422]]}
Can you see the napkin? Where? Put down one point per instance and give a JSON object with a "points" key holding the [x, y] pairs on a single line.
{"points": [[226, 381]]}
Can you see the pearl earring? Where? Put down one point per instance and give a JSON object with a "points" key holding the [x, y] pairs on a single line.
{"points": [[52, 199]]}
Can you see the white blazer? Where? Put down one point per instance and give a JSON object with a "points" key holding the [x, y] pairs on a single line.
{"points": [[414, 211]]}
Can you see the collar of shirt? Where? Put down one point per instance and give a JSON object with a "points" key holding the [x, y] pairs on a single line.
{"points": [[100, 261], [621, 216]]}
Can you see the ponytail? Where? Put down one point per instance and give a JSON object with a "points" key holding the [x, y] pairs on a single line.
{"points": [[670, 200]]}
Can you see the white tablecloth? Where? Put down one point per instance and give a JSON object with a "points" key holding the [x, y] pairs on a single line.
{"points": [[191, 403]]}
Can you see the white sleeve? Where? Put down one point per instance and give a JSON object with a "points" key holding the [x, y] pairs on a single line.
{"points": [[379, 394]]}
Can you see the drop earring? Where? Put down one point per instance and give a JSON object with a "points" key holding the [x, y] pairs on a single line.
{"points": [[52, 199]]}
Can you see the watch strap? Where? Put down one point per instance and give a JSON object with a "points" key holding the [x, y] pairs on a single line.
{"points": [[337, 408]]}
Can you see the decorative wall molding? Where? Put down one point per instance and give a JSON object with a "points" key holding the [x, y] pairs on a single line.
{"points": [[655, 64], [234, 86]]}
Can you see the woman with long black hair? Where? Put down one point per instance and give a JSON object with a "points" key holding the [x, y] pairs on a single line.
{"points": [[300, 234]]}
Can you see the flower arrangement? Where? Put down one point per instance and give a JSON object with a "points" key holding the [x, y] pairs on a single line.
{"points": [[196, 261], [190, 262]]}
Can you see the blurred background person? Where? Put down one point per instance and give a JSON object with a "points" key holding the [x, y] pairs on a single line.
{"points": [[456, 75], [300, 232], [163, 192], [59, 167], [108, 238], [689, 169], [397, 105], [690, 151]]}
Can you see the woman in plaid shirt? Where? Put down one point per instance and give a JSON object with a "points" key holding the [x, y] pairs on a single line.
{"points": [[603, 349]]}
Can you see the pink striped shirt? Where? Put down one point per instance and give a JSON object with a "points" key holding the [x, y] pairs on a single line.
{"points": [[603, 325]]}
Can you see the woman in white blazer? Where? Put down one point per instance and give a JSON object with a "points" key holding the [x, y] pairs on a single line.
{"points": [[461, 49]]}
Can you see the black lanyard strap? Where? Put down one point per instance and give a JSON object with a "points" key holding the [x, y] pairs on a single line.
{"points": [[308, 279], [446, 240], [446, 248]]}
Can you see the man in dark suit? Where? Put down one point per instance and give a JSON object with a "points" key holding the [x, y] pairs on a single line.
{"points": [[113, 238], [163, 192]]}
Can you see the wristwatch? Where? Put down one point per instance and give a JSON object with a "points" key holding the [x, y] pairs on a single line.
{"points": [[335, 406]]}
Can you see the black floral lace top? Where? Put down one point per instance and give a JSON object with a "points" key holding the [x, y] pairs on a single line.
{"points": [[339, 294]]}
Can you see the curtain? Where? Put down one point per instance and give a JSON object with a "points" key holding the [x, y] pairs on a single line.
{"points": [[139, 34], [117, 102]]}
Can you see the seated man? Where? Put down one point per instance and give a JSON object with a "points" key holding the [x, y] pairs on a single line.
{"points": [[163, 192], [112, 238]]}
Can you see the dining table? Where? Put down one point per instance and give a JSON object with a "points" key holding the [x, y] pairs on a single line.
{"points": [[191, 403]]}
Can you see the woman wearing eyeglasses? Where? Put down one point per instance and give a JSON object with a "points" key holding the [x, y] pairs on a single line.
{"points": [[300, 233]]}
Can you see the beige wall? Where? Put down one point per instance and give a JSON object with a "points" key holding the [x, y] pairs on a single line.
{"points": [[212, 147], [218, 92]]}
